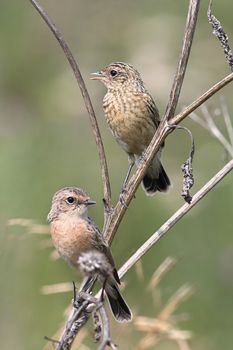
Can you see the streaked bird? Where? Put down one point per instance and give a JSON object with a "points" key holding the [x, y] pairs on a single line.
{"points": [[133, 118]]}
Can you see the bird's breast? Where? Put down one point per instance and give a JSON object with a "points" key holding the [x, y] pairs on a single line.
{"points": [[129, 120], [71, 239]]}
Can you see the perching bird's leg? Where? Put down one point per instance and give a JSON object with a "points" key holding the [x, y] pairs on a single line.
{"points": [[131, 164], [87, 284], [103, 288]]}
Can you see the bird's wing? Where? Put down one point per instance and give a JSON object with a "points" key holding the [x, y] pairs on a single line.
{"points": [[99, 244], [152, 109]]}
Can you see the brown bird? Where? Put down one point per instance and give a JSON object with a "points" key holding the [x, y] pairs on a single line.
{"points": [[133, 118], [74, 234]]}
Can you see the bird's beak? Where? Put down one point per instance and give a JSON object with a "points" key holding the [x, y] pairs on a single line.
{"points": [[90, 202], [97, 76]]}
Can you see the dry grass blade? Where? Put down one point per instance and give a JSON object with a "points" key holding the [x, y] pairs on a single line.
{"points": [[57, 288], [181, 295], [139, 271], [159, 273], [30, 225]]}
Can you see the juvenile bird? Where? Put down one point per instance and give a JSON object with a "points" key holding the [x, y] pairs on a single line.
{"points": [[74, 234], [133, 118]]}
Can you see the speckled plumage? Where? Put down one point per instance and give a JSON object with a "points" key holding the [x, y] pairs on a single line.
{"points": [[133, 118], [74, 234]]}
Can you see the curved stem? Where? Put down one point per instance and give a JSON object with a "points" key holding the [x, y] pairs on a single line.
{"points": [[87, 101]]}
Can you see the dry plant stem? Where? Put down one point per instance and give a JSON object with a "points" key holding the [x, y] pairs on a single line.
{"points": [[154, 146], [78, 319], [87, 101], [175, 218], [71, 329], [184, 56], [200, 100], [106, 341]]}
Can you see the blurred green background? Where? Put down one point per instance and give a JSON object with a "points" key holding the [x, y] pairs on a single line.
{"points": [[46, 143]]}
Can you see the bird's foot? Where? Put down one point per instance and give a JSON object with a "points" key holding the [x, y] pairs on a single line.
{"points": [[122, 199]]}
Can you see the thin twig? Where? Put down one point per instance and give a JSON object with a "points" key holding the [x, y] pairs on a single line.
{"points": [[184, 56], [87, 101], [76, 320], [200, 100], [106, 341], [175, 218], [53, 341]]}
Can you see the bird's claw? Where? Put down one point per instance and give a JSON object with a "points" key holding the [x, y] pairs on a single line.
{"points": [[122, 200]]}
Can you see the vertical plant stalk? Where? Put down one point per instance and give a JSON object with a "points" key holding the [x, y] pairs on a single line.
{"points": [[184, 56]]}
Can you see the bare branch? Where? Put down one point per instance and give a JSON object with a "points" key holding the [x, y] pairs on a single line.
{"points": [[77, 320], [106, 341], [181, 68], [87, 101], [175, 218], [201, 99]]}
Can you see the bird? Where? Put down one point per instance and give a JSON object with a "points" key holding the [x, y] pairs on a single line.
{"points": [[77, 238], [133, 118]]}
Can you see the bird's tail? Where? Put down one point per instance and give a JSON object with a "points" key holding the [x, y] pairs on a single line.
{"points": [[120, 309], [156, 178]]}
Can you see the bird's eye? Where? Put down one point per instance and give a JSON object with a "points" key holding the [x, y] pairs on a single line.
{"points": [[113, 72], [70, 200]]}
